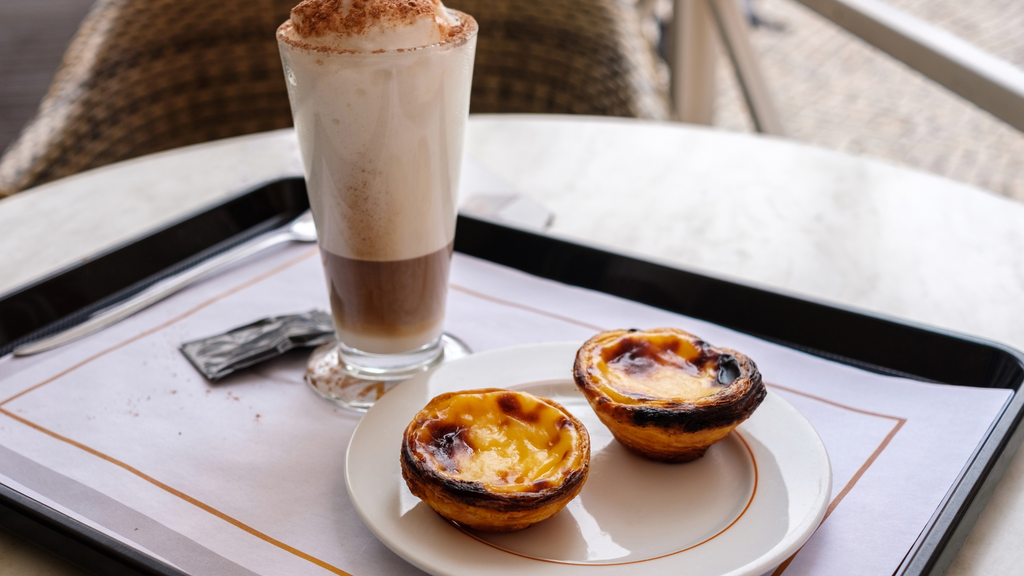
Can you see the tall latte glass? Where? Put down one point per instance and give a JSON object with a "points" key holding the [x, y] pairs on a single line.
{"points": [[381, 133]]}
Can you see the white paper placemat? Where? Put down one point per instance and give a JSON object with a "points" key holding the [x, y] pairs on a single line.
{"points": [[246, 476]]}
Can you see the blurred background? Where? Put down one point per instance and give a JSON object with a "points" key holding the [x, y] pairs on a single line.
{"points": [[834, 90], [33, 37], [830, 88]]}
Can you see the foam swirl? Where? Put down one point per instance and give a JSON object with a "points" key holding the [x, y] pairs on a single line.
{"points": [[372, 25]]}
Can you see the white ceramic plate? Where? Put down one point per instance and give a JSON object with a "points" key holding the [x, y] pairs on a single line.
{"points": [[742, 509]]}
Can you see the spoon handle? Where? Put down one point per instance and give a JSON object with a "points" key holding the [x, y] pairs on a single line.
{"points": [[153, 294]]}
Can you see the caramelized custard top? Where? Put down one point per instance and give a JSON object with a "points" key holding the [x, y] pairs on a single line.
{"points": [[507, 441], [662, 366]]}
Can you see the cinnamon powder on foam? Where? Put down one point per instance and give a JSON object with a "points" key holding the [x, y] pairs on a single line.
{"points": [[316, 18]]}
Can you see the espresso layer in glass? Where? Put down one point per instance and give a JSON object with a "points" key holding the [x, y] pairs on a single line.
{"points": [[390, 306]]}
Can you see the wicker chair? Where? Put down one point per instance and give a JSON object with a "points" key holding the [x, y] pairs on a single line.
{"points": [[562, 57], [143, 76]]}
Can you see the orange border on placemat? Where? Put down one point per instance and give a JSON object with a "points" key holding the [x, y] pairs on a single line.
{"points": [[860, 472], [197, 503], [285, 547], [519, 306]]}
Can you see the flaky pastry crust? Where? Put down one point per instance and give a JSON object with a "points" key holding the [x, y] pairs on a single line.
{"points": [[719, 388], [437, 442]]}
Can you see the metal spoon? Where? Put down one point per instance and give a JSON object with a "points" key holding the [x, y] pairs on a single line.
{"points": [[301, 229]]}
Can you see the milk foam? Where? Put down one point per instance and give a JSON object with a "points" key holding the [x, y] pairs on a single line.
{"points": [[369, 25], [381, 141]]}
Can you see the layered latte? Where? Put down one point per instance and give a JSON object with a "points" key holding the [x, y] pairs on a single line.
{"points": [[379, 91]]}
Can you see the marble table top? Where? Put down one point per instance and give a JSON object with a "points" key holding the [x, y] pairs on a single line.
{"points": [[850, 231]]}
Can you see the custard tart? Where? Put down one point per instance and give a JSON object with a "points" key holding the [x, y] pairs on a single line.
{"points": [[664, 393], [495, 460]]}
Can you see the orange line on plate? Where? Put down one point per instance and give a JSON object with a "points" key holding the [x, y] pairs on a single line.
{"points": [[753, 493]]}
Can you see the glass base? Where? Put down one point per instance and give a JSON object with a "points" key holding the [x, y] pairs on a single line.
{"points": [[401, 366], [350, 387]]}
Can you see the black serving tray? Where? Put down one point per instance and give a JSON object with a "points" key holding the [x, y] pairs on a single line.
{"points": [[843, 335]]}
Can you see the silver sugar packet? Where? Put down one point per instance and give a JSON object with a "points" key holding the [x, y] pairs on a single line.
{"points": [[217, 356]]}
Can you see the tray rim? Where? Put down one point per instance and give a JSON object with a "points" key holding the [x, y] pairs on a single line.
{"points": [[931, 554]]}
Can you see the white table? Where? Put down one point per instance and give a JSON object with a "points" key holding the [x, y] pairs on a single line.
{"points": [[815, 223]]}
